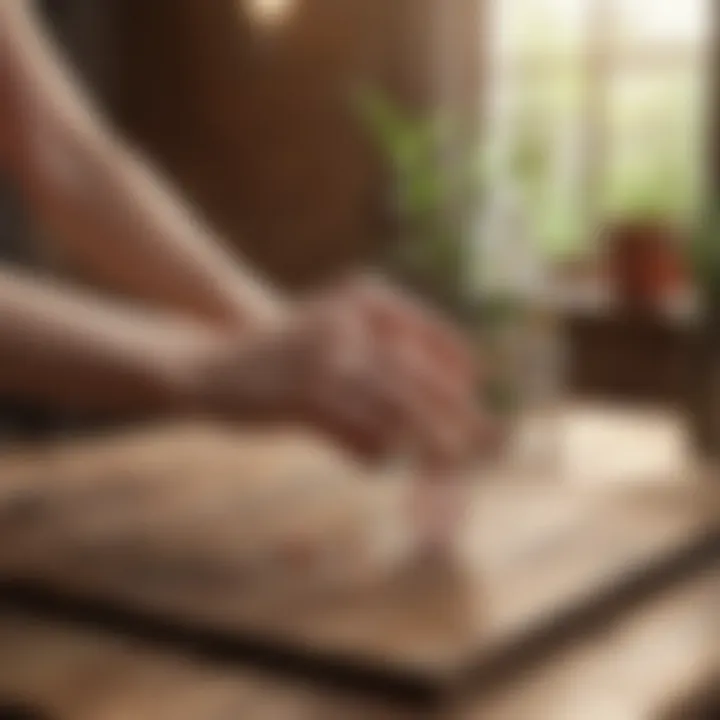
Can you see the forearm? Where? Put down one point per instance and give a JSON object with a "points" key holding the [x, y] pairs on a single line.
{"points": [[110, 213], [69, 350], [116, 222]]}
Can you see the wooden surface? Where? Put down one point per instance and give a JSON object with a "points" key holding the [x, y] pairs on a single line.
{"points": [[636, 667], [272, 538]]}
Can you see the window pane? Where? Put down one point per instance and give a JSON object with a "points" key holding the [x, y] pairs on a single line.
{"points": [[531, 28], [662, 21], [544, 155], [654, 141]]}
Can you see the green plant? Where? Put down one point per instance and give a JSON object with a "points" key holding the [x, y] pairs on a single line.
{"points": [[704, 258], [531, 157], [433, 183]]}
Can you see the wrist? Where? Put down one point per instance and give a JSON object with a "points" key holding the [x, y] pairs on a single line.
{"points": [[223, 372], [183, 369], [246, 304]]}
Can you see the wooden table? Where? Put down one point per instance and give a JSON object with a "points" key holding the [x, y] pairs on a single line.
{"points": [[193, 581], [631, 668]]}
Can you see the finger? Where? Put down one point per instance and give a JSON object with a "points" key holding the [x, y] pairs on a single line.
{"points": [[377, 401], [348, 404], [377, 418], [362, 428], [395, 315], [438, 416], [442, 386], [378, 407], [430, 432], [326, 342]]}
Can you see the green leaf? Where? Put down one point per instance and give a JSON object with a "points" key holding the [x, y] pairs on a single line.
{"points": [[704, 255], [428, 189]]}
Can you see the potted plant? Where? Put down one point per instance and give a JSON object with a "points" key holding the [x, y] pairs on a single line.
{"points": [[645, 216], [433, 183]]}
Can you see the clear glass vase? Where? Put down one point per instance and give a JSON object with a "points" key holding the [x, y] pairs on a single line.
{"points": [[525, 368]]}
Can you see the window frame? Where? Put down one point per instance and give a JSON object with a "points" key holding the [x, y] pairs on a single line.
{"points": [[601, 59]]}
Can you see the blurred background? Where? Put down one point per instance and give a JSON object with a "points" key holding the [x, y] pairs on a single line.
{"points": [[604, 105], [544, 171]]}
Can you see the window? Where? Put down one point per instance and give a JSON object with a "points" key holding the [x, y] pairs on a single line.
{"points": [[595, 103]]}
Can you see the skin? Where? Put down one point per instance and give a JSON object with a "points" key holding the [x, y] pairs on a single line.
{"points": [[362, 363], [108, 212]]}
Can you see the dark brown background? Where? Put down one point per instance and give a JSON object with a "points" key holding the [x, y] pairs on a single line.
{"points": [[257, 126]]}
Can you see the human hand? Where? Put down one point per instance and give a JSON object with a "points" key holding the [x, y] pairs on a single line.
{"points": [[364, 364]]}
